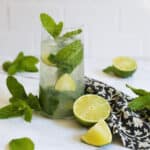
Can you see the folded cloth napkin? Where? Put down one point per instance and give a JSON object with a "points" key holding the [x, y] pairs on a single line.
{"points": [[133, 128]]}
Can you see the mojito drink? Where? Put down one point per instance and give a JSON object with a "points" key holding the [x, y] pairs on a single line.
{"points": [[61, 73]]}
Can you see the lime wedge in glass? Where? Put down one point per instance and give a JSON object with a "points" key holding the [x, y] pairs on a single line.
{"points": [[45, 60], [65, 83], [124, 66], [90, 108], [98, 135]]}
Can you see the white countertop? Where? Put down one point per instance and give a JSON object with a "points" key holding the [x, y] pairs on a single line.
{"points": [[63, 134]]}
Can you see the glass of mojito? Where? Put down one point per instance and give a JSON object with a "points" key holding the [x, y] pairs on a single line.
{"points": [[61, 68]]}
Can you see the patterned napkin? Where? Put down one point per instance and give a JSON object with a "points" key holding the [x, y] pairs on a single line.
{"points": [[133, 128]]}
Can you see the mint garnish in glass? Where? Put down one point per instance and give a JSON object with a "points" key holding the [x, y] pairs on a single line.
{"points": [[61, 68]]}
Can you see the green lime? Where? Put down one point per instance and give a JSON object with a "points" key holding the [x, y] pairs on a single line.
{"points": [[89, 109], [45, 60], [98, 135], [124, 66], [65, 83]]}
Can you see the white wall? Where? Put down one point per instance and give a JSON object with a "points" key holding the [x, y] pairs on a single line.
{"points": [[111, 27]]}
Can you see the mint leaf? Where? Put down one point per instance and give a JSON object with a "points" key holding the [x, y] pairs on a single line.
{"points": [[13, 69], [48, 100], [58, 29], [18, 92], [21, 144], [14, 66], [28, 64], [15, 88], [15, 109], [21, 63], [12, 110], [140, 92], [6, 65], [33, 102], [28, 114], [140, 103], [68, 57], [72, 33], [25, 103], [48, 23], [108, 69]]}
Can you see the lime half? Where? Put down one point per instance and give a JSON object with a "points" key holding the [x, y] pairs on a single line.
{"points": [[124, 66], [89, 109], [98, 135], [65, 83]]}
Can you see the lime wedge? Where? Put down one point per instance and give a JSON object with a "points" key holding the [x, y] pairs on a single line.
{"points": [[89, 109], [65, 83], [124, 66], [98, 135], [45, 60]]}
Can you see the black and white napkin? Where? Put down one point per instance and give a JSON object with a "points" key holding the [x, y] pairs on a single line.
{"points": [[133, 128]]}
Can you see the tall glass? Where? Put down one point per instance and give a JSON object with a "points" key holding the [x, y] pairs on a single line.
{"points": [[59, 88]]}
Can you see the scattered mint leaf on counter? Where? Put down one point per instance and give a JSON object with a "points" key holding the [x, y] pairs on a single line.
{"points": [[142, 101], [108, 69], [18, 108], [16, 89], [21, 64], [28, 113], [12, 110], [33, 102], [24, 143], [72, 33], [6, 65], [28, 64], [21, 103], [68, 57], [14, 66], [140, 92], [50, 25]]}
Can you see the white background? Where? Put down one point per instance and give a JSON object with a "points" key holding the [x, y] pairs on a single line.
{"points": [[111, 27]]}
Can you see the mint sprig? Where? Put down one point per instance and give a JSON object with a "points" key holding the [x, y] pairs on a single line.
{"points": [[24, 143], [68, 57], [21, 63], [142, 101], [21, 103], [55, 29], [50, 25]]}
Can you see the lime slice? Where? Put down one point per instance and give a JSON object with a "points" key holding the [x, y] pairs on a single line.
{"points": [[98, 135], [65, 83], [45, 60], [124, 66], [89, 109]]}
